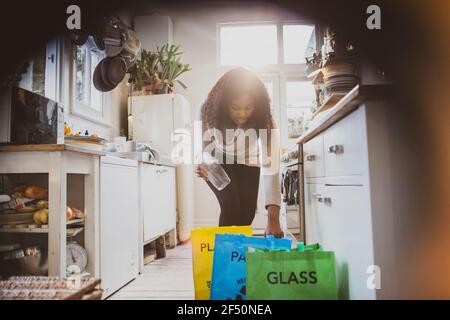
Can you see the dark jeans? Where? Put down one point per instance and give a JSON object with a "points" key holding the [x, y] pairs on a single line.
{"points": [[238, 199]]}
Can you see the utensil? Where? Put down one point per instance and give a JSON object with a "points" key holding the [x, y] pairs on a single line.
{"points": [[98, 81], [114, 69]]}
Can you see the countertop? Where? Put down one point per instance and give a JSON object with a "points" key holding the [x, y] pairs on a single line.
{"points": [[67, 147], [344, 107], [48, 148]]}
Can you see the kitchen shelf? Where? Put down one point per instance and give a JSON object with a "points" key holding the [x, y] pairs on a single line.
{"points": [[37, 229]]}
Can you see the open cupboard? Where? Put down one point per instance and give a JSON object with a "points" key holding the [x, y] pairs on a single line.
{"points": [[110, 191]]}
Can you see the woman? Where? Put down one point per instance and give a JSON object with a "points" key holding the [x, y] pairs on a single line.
{"points": [[239, 101]]}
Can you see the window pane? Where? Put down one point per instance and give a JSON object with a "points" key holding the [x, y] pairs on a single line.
{"points": [[88, 57], [34, 79], [96, 96], [298, 121], [81, 76], [300, 96], [295, 42], [248, 45]]}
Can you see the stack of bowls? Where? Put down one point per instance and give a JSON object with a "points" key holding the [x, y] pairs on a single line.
{"points": [[339, 77]]}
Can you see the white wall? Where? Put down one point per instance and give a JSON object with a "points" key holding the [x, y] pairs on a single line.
{"points": [[194, 27]]}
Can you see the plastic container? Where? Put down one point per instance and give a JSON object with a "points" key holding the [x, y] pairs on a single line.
{"points": [[215, 172]]}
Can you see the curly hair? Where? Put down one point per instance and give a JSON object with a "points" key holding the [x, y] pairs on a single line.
{"points": [[232, 84]]}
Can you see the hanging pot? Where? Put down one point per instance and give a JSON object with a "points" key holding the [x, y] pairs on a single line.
{"points": [[113, 38], [131, 43], [129, 58], [78, 37], [114, 69], [98, 80]]}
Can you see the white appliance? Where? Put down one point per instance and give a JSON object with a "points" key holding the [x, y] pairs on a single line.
{"points": [[119, 223], [155, 118], [163, 121]]}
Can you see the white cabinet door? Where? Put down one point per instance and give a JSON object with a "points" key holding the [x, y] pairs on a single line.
{"points": [[311, 213], [158, 200], [343, 146], [313, 157], [346, 228], [119, 214]]}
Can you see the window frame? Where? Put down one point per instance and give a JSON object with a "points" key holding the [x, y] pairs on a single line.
{"points": [[82, 110], [283, 71]]}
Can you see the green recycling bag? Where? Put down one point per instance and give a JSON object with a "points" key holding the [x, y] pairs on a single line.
{"points": [[306, 273]]}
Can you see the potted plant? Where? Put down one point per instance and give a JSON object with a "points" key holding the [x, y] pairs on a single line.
{"points": [[156, 72], [171, 67]]}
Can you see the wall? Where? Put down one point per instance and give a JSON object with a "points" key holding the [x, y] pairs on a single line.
{"points": [[194, 27]]}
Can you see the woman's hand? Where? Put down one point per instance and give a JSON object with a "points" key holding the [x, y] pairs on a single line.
{"points": [[273, 222], [201, 173]]}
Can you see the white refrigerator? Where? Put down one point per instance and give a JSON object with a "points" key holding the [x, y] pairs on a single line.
{"points": [[162, 121]]}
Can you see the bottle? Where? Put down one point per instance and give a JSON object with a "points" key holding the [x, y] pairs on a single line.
{"points": [[215, 172]]}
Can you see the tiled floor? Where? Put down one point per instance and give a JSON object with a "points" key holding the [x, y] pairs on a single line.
{"points": [[169, 278]]}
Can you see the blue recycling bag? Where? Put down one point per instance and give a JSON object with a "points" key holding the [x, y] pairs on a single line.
{"points": [[229, 263]]}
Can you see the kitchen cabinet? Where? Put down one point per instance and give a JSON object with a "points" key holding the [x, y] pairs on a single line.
{"points": [[158, 200], [60, 167], [348, 199], [119, 222], [337, 218]]}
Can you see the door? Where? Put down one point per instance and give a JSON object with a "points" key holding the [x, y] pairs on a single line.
{"points": [[158, 200], [349, 208], [119, 214], [339, 218]]}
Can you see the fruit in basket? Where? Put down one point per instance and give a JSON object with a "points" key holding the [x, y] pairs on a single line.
{"points": [[70, 215], [41, 216], [78, 213], [42, 204], [35, 192], [17, 195]]}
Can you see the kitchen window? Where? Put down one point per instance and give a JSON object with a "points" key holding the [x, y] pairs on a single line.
{"points": [[87, 101], [41, 76], [276, 52]]}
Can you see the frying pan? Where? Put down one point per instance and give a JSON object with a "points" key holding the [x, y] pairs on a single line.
{"points": [[109, 73], [114, 70], [97, 79]]}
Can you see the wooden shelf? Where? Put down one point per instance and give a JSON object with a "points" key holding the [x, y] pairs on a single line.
{"points": [[34, 228], [24, 230]]}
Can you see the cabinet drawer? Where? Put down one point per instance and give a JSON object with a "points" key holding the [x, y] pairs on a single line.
{"points": [[343, 146], [313, 161]]}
